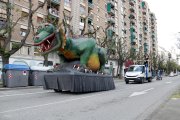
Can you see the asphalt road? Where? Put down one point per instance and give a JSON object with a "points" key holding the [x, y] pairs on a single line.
{"points": [[126, 102]]}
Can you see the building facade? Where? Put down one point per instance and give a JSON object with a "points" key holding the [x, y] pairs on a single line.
{"points": [[130, 20]]}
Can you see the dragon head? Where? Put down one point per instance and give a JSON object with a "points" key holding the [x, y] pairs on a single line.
{"points": [[46, 38]]}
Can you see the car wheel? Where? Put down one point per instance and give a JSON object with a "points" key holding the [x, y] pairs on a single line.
{"points": [[127, 82], [150, 79]]}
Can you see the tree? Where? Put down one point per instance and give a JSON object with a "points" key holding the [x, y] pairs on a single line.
{"points": [[123, 55], [8, 28]]}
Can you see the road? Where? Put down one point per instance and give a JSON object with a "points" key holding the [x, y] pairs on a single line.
{"points": [[126, 102]]}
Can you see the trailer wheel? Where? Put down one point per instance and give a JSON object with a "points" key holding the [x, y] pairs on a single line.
{"points": [[57, 90], [127, 82]]}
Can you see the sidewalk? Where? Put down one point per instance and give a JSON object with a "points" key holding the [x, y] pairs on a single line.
{"points": [[170, 110]]}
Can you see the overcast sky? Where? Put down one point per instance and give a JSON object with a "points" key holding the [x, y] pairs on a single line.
{"points": [[168, 21]]}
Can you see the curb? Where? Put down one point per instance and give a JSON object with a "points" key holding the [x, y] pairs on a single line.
{"points": [[18, 88], [116, 80]]}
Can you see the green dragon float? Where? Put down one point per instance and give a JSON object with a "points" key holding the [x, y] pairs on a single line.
{"points": [[90, 57]]}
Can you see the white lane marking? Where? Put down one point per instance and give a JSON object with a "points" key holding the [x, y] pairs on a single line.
{"points": [[59, 102], [11, 95], [168, 82], [140, 93]]}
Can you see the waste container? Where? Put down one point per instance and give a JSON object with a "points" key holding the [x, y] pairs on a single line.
{"points": [[36, 75], [15, 75]]}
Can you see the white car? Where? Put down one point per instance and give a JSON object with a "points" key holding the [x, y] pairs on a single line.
{"points": [[171, 74]]}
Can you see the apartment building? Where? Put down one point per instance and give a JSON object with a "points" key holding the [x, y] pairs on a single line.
{"points": [[130, 20]]}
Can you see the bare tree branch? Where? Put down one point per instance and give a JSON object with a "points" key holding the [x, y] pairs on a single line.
{"points": [[84, 28], [31, 13]]}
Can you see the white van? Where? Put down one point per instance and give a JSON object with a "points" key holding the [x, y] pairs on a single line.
{"points": [[138, 73]]}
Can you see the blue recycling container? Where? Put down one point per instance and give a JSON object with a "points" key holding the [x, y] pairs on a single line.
{"points": [[15, 75]]}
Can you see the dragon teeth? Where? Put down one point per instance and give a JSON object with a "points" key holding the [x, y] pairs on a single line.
{"points": [[48, 41]]}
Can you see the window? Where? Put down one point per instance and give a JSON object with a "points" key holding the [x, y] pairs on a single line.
{"points": [[98, 10], [82, 10], [37, 51], [22, 32], [68, 19], [24, 15], [39, 19], [40, 2], [82, 20], [97, 19], [67, 3], [15, 45], [28, 50]]}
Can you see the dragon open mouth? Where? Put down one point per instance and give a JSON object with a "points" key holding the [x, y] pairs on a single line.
{"points": [[47, 43]]}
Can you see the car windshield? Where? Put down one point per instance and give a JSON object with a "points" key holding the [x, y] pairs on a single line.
{"points": [[135, 68]]}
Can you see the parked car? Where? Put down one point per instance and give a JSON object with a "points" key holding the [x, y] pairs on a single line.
{"points": [[171, 74]]}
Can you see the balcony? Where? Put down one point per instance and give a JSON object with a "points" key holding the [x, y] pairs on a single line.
{"points": [[111, 28], [145, 32], [152, 27], [131, 16], [131, 8], [144, 12], [152, 16], [132, 2], [133, 39], [81, 25], [90, 6], [145, 47], [153, 35], [110, 32], [110, 9], [111, 20], [90, 28], [2, 13], [56, 2], [143, 5], [132, 29], [91, 17], [111, 2], [2, 27], [54, 13]]}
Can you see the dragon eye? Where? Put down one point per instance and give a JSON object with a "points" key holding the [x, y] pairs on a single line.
{"points": [[46, 25]]}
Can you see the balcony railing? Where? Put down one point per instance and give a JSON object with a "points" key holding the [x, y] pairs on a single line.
{"points": [[111, 28], [132, 2], [54, 12], [57, 2], [132, 9], [111, 19], [111, 2], [90, 5]]}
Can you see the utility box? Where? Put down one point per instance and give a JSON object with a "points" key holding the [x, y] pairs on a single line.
{"points": [[36, 75], [15, 75]]}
